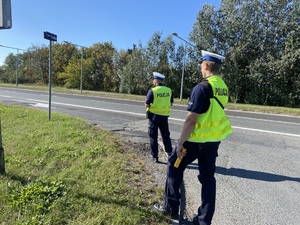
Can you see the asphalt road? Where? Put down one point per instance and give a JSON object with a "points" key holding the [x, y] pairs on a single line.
{"points": [[258, 169]]}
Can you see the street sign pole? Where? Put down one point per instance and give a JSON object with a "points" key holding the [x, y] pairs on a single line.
{"points": [[2, 163], [51, 37], [50, 78]]}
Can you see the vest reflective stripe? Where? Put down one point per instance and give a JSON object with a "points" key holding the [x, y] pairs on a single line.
{"points": [[213, 125], [161, 101]]}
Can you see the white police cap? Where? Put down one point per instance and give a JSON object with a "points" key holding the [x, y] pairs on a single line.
{"points": [[157, 75], [212, 57]]}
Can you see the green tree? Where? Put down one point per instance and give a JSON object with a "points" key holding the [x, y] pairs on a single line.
{"points": [[175, 76], [71, 75], [35, 66], [103, 76], [8, 74], [253, 35], [136, 76], [2, 74], [121, 59], [63, 54], [162, 57]]}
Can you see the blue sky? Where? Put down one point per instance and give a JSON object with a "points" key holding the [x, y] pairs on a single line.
{"points": [[122, 22]]}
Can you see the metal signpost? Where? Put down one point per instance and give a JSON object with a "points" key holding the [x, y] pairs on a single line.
{"points": [[183, 65], [51, 37], [2, 165]]}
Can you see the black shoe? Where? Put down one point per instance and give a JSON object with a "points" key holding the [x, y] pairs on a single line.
{"points": [[195, 221], [164, 211]]}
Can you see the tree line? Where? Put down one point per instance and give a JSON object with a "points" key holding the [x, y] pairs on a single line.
{"points": [[259, 38]]}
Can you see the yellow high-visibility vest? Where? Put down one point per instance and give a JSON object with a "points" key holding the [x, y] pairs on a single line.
{"points": [[213, 125], [161, 101]]}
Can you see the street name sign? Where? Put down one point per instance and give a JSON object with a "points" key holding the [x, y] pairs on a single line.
{"points": [[5, 14], [49, 36]]}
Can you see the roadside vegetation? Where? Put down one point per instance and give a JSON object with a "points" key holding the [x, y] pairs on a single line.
{"points": [[66, 171]]}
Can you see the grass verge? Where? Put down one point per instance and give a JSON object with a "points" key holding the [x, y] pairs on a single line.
{"points": [[65, 171]]}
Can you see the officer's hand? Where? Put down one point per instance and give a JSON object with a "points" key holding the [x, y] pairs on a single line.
{"points": [[179, 152]]}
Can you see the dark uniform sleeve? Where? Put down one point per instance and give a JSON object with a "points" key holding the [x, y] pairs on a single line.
{"points": [[149, 97], [199, 100]]}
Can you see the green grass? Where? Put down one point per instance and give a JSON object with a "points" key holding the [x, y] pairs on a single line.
{"points": [[66, 171], [232, 106]]}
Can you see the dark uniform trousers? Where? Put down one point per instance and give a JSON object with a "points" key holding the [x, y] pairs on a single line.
{"points": [[159, 122], [206, 154]]}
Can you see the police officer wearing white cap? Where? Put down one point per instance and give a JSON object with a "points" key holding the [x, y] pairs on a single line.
{"points": [[158, 103], [205, 127]]}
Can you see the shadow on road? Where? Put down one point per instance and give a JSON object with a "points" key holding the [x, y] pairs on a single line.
{"points": [[249, 174]]}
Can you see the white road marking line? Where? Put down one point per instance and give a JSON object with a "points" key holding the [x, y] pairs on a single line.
{"points": [[139, 114]]}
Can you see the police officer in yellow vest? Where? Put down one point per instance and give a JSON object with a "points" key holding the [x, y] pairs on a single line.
{"points": [[158, 101], [205, 127]]}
